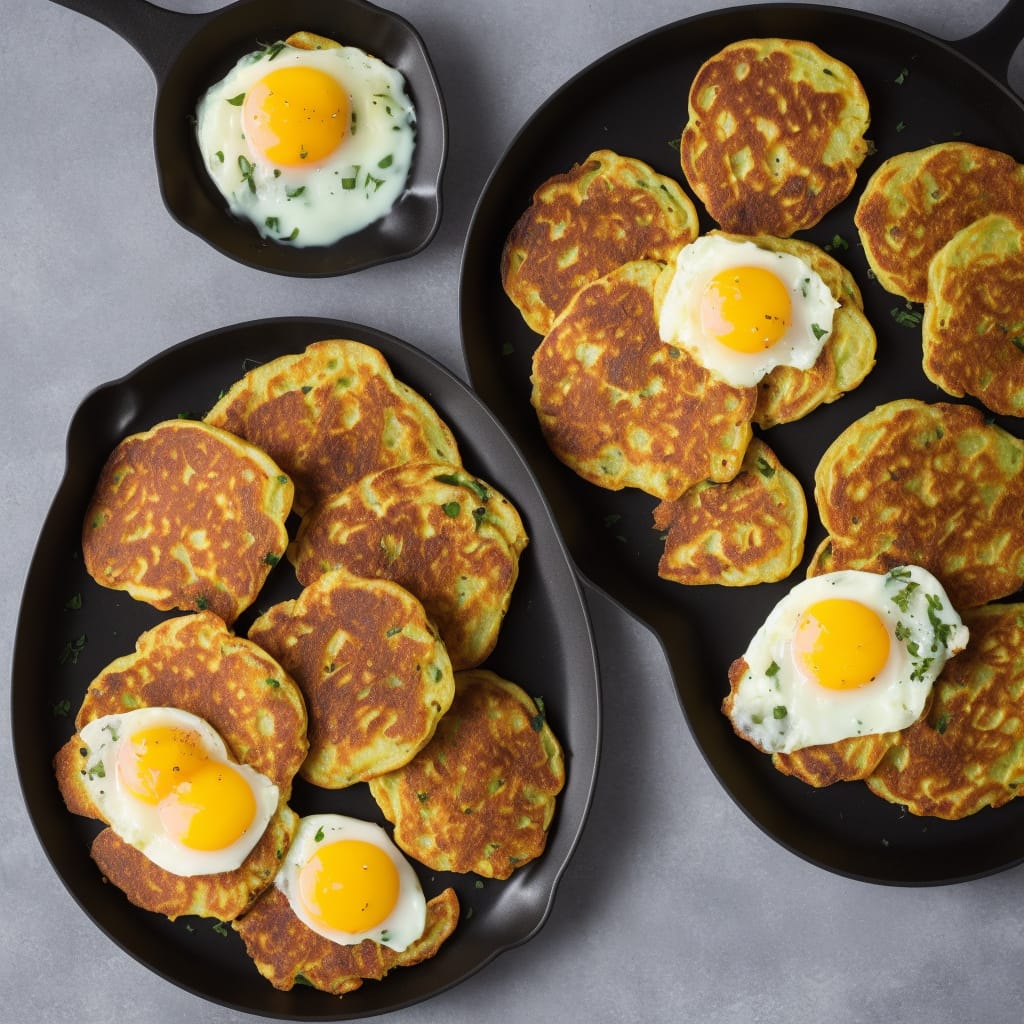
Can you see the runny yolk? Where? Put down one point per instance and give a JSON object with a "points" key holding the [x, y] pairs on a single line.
{"points": [[151, 762], [350, 885], [296, 116], [210, 809], [840, 644], [747, 309]]}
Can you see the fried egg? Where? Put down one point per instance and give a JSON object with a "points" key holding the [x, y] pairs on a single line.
{"points": [[347, 881], [741, 310], [309, 145], [848, 653], [163, 780]]}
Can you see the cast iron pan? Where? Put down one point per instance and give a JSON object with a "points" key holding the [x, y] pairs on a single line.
{"points": [[633, 100], [190, 52], [545, 645]]}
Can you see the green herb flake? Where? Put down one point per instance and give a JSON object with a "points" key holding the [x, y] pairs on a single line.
{"points": [[838, 244], [451, 509], [272, 224], [386, 162], [72, 649], [779, 712], [62, 708], [74, 603], [221, 928], [237, 101], [247, 168], [274, 684], [906, 315], [294, 193], [765, 468], [772, 670], [901, 78], [818, 331], [319, 837], [393, 631], [942, 723], [271, 559], [201, 603], [1018, 340], [537, 721]]}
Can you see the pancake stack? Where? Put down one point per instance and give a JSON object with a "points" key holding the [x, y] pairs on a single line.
{"points": [[589, 265], [406, 564]]}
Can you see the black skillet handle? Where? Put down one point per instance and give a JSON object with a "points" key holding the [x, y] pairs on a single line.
{"points": [[993, 46], [157, 33]]}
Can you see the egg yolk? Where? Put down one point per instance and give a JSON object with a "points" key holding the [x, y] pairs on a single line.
{"points": [[296, 116], [747, 309], [349, 885], [211, 809], [151, 762], [841, 644]]}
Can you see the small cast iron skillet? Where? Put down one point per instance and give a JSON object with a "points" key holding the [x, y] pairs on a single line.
{"points": [[190, 52]]}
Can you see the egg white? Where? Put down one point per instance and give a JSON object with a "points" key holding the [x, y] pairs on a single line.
{"points": [[137, 822], [403, 926], [679, 318], [356, 185], [778, 709]]}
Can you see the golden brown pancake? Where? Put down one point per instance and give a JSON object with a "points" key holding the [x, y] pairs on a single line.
{"points": [[973, 326], [481, 795], [195, 663], [187, 516], [374, 673], [622, 408], [917, 201], [775, 135], [331, 414], [967, 752], [604, 212], [446, 536], [934, 485], [224, 895], [286, 951], [848, 760], [749, 530]]}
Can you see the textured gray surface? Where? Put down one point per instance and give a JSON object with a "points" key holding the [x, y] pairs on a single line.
{"points": [[674, 907]]}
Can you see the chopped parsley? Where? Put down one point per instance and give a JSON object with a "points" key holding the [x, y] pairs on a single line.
{"points": [[906, 315]]}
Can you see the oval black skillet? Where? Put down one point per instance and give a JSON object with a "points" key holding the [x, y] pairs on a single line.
{"points": [[190, 52], [69, 628], [633, 100]]}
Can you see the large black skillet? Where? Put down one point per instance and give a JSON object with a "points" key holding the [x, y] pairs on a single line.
{"points": [[69, 628], [190, 52], [922, 90]]}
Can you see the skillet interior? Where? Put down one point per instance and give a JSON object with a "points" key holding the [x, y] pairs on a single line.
{"points": [[634, 101], [547, 615]]}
